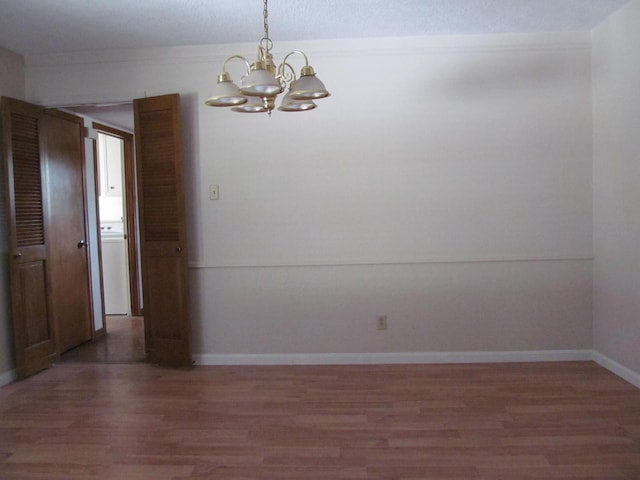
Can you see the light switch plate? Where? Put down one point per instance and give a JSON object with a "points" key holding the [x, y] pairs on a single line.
{"points": [[214, 192]]}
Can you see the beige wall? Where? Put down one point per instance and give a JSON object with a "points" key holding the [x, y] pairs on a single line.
{"points": [[12, 84], [451, 192], [616, 76]]}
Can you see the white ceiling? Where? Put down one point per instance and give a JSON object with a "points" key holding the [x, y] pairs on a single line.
{"points": [[58, 26]]}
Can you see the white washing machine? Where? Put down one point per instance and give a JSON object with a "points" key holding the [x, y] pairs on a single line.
{"points": [[115, 269]]}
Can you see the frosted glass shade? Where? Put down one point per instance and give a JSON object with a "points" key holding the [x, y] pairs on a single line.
{"points": [[253, 105], [308, 87], [225, 94], [260, 83], [292, 105]]}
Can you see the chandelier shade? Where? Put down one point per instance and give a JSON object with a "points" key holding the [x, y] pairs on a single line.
{"points": [[264, 81], [290, 104], [308, 87], [260, 82], [225, 93], [252, 105]]}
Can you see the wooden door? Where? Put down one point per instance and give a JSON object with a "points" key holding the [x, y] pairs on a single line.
{"points": [[29, 265], [49, 274], [162, 229], [66, 221]]}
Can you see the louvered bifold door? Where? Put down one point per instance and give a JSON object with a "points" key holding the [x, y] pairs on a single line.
{"points": [[162, 229], [33, 328]]}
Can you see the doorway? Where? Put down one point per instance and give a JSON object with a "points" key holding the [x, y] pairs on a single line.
{"points": [[159, 188], [119, 333], [115, 172]]}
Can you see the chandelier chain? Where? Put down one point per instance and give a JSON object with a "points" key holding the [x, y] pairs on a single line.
{"points": [[267, 40]]}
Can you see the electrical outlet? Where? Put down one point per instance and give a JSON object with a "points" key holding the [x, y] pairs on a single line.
{"points": [[382, 322]]}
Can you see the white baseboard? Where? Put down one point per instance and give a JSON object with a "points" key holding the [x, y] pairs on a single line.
{"points": [[613, 366], [7, 377], [409, 357], [392, 358]]}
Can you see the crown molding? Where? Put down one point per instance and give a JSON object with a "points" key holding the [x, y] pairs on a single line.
{"points": [[324, 48]]}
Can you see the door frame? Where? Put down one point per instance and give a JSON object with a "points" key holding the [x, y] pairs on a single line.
{"points": [[131, 218]]}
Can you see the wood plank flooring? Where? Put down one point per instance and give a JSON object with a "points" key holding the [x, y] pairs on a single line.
{"points": [[571, 421], [123, 343]]}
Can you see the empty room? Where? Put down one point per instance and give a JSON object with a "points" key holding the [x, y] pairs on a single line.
{"points": [[355, 240]]}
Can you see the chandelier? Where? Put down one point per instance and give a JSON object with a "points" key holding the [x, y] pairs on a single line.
{"points": [[264, 81]]}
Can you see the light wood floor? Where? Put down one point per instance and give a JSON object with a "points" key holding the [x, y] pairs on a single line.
{"points": [[571, 421]]}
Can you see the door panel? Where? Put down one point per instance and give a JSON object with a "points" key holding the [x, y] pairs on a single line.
{"points": [[33, 279], [164, 306], [162, 229], [69, 262], [33, 326], [49, 277]]}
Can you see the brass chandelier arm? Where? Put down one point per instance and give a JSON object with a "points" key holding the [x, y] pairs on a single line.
{"points": [[284, 75], [281, 68], [240, 57], [299, 52]]}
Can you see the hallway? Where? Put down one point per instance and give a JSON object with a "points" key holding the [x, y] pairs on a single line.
{"points": [[123, 343]]}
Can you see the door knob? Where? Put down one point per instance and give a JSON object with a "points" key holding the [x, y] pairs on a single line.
{"points": [[82, 243], [18, 255], [179, 249]]}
